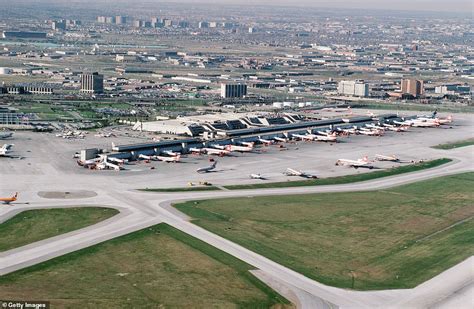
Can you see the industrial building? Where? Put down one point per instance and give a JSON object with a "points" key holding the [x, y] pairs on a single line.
{"points": [[92, 83], [353, 88], [233, 90]]}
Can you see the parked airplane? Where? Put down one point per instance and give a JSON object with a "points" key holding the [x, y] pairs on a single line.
{"points": [[174, 159], [8, 200], [196, 150], [146, 157], [420, 122], [239, 148], [391, 158], [257, 176], [265, 141], [326, 137], [5, 135], [401, 128], [5, 150], [280, 139], [305, 137], [117, 160], [207, 169], [88, 163], [292, 172], [248, 144], [366, 131], [349, 131], [171, 153], [364, 162], [216, 152], [374, 126]]}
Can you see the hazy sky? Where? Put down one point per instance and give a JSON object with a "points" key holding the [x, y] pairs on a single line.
{"points": [[408, 5], [464, 6]]}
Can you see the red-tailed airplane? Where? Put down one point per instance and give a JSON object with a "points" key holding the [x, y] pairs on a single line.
{"points": [[8, 200]]}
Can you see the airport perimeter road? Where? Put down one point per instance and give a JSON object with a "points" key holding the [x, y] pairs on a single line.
{"points": [[142, 209]]}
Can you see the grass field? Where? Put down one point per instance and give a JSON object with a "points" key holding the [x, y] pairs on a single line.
{"points": [[379, 238], [183, 189], [34, 225], [158, 267], [458, 144], [345, 179]]}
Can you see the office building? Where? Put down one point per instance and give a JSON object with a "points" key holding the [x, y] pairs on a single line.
{"points": [[120, 20], [233, 90], [412, 87], [92, 83], [353, 88], [58, 25], [203, 24]]}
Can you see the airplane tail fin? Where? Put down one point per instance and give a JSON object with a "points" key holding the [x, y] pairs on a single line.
{"points": [[365, 159], [15, 196]]}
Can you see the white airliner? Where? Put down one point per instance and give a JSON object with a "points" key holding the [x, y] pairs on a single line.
{"points": [[196, 150], [5, 150], [89, 163], [215, 152], [391, 158], [248, 144], [420, 122], [349, 131], [374, 126], [236, 148], [369, 132], [401, 128], [280, 139], [293, 172], [146, 157], [326, 137], [5, 135], [171, 153], [207, 169], [265, 141], [174, 159], [257, 176], [364, 162], [305, 137], [117, 160]]}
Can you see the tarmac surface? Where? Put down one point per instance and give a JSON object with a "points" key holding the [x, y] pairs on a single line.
{"points": [[48, 168]]}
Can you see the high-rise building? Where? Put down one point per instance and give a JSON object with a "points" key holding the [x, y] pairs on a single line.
{"points": [[92, 83], [233, 90], [58, 25], [203, 24], [413, 87], [120, 20], [353, 88]]}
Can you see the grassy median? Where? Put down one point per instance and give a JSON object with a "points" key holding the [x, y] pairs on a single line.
{"points": [[34, 225], [457, 144], [157, 267], [363, 240], [183, 189], [345, 179]]}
